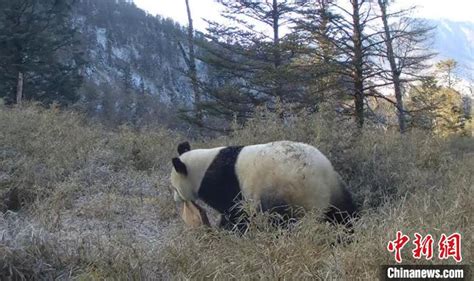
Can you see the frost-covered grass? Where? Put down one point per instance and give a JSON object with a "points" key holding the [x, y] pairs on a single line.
{"points": [[97, 204]]}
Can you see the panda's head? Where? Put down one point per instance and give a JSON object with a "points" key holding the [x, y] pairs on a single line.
{"points": [[186, 175], [183, 187], [189, 169]]}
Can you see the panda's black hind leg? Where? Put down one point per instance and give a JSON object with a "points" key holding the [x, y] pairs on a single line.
{"points": [[342, 211], [281, 214]]}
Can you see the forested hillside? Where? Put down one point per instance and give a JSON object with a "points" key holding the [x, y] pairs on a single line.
{"points": [[108, 57], [124, 66], [135, 69]]}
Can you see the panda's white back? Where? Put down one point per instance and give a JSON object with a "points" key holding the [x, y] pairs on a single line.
{"points": [[293, 172]]}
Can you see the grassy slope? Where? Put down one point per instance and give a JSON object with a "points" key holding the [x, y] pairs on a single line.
{"points": [[97, 203]]}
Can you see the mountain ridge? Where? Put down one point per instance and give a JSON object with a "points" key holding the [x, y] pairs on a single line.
{"points": [[129, 47], [455, 40]]}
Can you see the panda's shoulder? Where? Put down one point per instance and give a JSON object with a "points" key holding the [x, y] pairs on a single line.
{"points": [[227, 155], [200, 158]]}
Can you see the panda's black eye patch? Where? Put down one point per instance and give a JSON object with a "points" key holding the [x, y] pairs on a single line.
{"points": [[184, 147], [179, 166]]}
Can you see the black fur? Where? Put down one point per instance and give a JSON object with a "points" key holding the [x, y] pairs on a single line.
{"points": [[220, 186], [221, 190], [179, 166], [342, 209], [184, 147], [283, 215]]}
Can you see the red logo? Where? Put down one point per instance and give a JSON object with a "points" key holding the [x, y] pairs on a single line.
{"points": [[448, 246], [397, 245], [423, 247]]}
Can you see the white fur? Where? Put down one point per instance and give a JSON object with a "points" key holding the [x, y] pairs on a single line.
{"points": [[296, 172], [197, 162]]}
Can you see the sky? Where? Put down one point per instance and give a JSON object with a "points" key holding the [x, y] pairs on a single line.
{"points": [[456, 10]]}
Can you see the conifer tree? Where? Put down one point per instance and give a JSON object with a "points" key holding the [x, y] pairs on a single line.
{"points": [[436, 108], [249, 58], [39, 53], [348, 33]]}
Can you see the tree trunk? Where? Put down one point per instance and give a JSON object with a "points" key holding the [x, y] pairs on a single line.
{"points": [[276, 35], [192, 68], [276, 48], [359, 103], [358, 64], [393, 67], [400, 107], [19, 88]]}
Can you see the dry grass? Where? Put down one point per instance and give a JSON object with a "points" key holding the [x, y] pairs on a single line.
{"points": [[96, 203]]}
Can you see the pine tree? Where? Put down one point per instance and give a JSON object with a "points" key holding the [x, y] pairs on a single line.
{"points": [[250, 67], [318, 65], [436, 108], [39, 56], [446, 70], [346, 38]]}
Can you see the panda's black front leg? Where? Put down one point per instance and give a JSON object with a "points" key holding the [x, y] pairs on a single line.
{"points": [[234, 221], [225, 223]]}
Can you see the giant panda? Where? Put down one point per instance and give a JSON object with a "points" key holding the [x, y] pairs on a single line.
{"points": [[279, 177]]}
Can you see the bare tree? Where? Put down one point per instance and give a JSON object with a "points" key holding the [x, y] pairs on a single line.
{"points": [[404, 51], [190, 59]]}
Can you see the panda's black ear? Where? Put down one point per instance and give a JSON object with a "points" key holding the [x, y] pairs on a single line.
{"points": [[179, 166], [184, 147]]}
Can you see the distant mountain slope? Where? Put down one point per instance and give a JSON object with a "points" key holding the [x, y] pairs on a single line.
{"points": [[127, 47], [456, 40], [130, 51]]}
